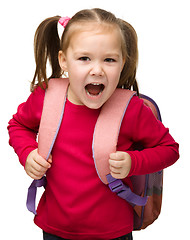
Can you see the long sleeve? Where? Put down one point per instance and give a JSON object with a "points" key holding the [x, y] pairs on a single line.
{"points": [[23, 127], [159, 148]]}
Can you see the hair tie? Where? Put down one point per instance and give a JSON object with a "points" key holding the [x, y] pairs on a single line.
{"points": [[64, 20]]}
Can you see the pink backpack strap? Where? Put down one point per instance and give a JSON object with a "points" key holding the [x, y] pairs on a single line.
{"points": [[105, 142], [107, 130], [52, 113]]}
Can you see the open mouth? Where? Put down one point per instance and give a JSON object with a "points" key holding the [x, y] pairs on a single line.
{"points": [[94, 89]]}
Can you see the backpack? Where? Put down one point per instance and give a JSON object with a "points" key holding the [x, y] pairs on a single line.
{"points": [[146, 197]]}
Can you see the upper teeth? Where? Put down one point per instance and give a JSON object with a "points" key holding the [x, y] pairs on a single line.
{"points": [[95, 84]]}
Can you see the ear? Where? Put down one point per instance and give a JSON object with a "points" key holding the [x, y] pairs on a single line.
{"points": [[62, 61], [124, 60]]}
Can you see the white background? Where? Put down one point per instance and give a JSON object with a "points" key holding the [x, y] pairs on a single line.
{"points": [[163, 29]]}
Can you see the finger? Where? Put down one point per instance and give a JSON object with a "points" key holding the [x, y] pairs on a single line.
{"points": [[115, 163], [42, 162], [116, 175], [117, 156], [50, 159], [36, 168], [115, 170], [34, 176]]}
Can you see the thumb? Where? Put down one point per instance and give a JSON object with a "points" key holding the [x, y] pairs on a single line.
{"points": [[118, 155], [50, 159]]}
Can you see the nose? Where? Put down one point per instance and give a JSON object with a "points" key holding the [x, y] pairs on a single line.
{"points": [[97, 70]]}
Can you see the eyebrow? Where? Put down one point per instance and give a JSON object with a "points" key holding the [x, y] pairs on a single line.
{"points": [[82, 53], [86, 53], [112, 55]]}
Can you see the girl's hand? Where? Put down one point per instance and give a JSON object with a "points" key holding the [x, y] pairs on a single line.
{"points": [[36, 166], [120, 164]]}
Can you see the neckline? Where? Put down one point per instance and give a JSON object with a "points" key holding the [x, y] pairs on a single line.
{"points": [[76, 107]]}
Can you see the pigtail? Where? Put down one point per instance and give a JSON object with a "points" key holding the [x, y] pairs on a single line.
{"points": [[46, 47], [128, 74]]}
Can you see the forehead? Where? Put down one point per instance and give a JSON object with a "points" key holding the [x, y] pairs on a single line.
{"points": [[89, 32]]}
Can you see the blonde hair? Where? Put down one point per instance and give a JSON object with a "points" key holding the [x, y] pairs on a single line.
{"points": [[47, 45]]}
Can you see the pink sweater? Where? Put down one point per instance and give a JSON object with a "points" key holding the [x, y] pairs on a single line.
{"points": [[76, 204]]}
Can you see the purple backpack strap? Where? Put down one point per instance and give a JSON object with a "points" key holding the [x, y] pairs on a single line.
{"points": [[123, 191], [51, 118], [105, 141]]}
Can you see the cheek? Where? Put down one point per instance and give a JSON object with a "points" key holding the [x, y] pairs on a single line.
{"points": [[76, 70], [114, 75]]}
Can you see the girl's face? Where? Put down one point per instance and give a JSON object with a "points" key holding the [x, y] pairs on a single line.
{"points": [[94, 63]]}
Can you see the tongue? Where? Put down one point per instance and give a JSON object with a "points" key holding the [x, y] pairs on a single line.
{"points": [[94, 89]]}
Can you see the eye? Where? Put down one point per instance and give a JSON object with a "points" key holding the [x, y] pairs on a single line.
{"points": [[110, 60], [84, 58]]}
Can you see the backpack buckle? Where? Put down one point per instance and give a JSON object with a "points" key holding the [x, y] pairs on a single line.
{"points": [[123, 191], [115, 185]]}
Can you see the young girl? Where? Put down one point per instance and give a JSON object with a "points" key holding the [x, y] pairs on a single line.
{"points": [[99, 52]]}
